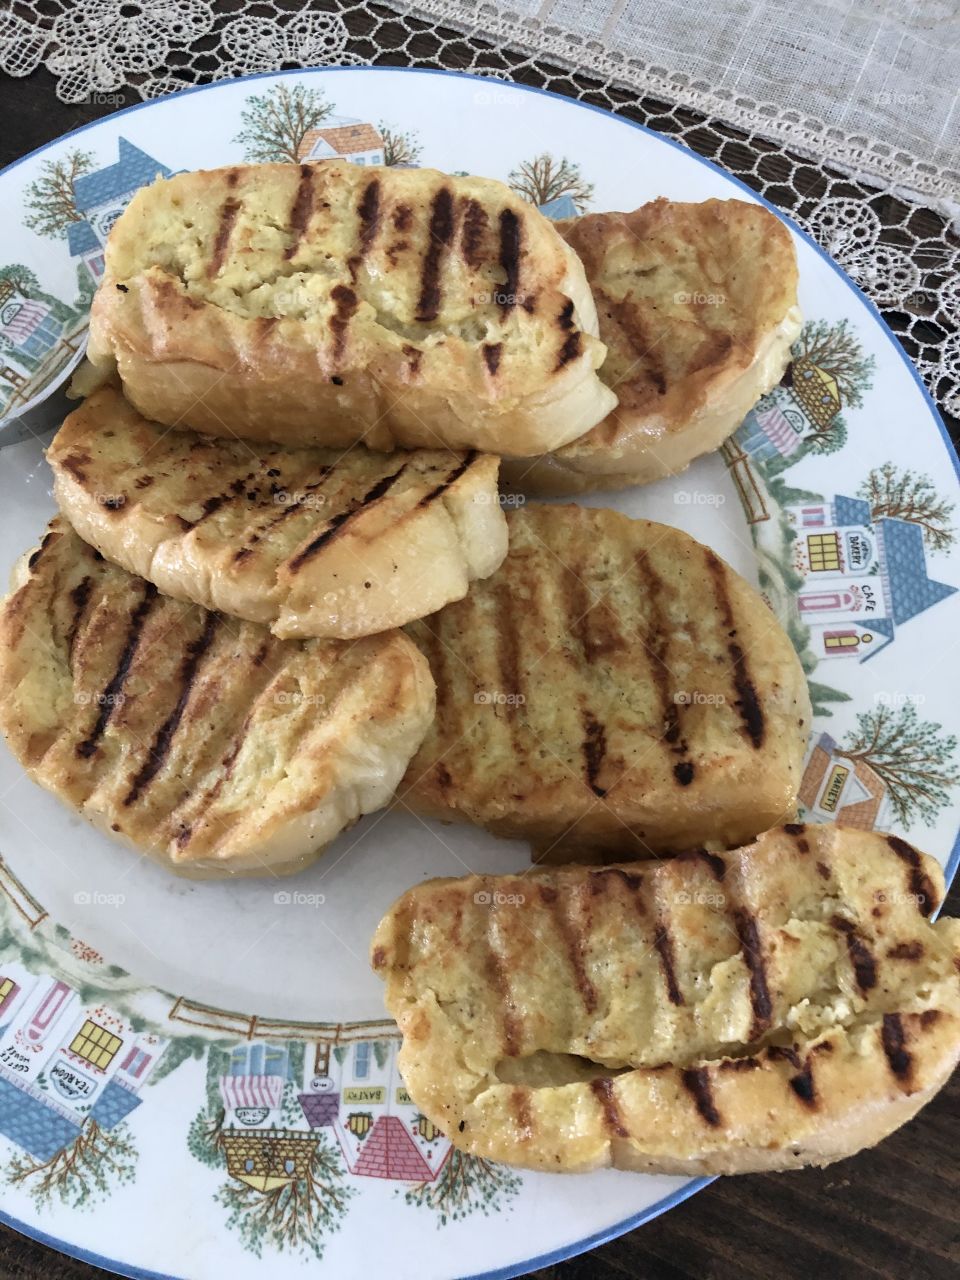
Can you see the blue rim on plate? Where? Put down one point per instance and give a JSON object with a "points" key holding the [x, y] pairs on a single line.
{"points": [[696, 1184]]}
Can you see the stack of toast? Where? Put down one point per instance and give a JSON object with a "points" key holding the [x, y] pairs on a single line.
{"points": [[283, 593]]}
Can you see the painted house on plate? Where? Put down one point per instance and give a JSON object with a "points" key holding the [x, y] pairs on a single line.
{"points": [[837, 789], [862, 578], [101, 196], [62, 1062], [28, 330], [804, 403], [273, 1122], [343, 138]]}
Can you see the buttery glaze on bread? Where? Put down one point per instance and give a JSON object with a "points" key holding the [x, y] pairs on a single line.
{"points": [[328, 303], [788, 1003], [614, 688], [200, 740], [310, 542], [698, 309]]}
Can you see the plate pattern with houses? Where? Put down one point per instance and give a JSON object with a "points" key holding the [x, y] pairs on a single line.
{"points": [[167, 1132]]}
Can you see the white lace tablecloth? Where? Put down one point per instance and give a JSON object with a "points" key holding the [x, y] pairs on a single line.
{"points": [[845, 114]]}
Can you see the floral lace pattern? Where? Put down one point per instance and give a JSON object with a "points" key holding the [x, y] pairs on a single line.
{"points": [[902, 251]]}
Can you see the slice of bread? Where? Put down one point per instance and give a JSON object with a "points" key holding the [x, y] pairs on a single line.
{"points": [[613, 689], [784, 1004], [698, 310], [328, 303], [199, 740], [310, 542]]}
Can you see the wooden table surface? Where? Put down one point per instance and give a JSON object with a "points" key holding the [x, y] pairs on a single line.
{"points": [[893, 1211]]}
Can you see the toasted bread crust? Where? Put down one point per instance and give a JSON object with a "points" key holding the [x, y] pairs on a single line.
{"points": [[325, 303], [613, 689], [309, 542], [784, 1004], [697, 306], [203, 741]]}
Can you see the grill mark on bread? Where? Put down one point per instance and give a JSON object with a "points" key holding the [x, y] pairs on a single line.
{"points": [[492, 352], [508, 663], [45, 542], [569, 350], [475, 222], [752, 949], [290, 509], [656, 641], [449, 479], [629, 320], [441, 233], [80, 597], [696, 1081], [592, 621], [893, 1040], [632, 881], [663, 944], [336, 525], [414, 356], [160, 748], [301, 209], [402, 217], [74, 462], [746, 702], [713, 861], [512, 1026], [603, 1090], [210, 506], [346, 303], [906, 951], [228, 217], [520, 1099], [573, 940], [114, 686], [861, 957], [920, 884], [803, 1086], [594, 748], [369, 213], [510, 242]]}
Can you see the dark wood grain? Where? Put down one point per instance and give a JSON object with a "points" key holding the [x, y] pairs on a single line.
{"points": [[890, 1212]]}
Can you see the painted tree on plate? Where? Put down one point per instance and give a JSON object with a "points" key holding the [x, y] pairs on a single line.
{"points": [[908, 495], [295, 1216], [914, 759], [276, 123], [83, 1172], [21, 277], [50, 199], [464, 1185], [546, 178], [835, 348], [399, 147]]}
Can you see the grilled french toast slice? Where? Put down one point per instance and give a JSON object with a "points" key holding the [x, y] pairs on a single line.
{"points": [[698, 309], [614, 689], [784, 1004], [309, 542], [328, 303], [202, 741]]}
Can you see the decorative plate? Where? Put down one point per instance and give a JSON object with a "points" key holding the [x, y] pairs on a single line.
{"points": [[197, 1080]]}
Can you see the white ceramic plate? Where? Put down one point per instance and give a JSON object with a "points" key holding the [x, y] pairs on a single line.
{"points": [[196, 1080]]}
